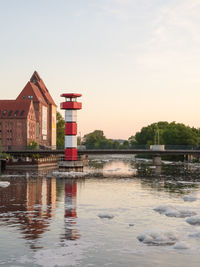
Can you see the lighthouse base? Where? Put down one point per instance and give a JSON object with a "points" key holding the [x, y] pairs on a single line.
{"points": [[71, 166]]}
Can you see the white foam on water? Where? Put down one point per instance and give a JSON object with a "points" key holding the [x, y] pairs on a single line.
{"points": [[178, 212], [69, 174], [4, 184], [187, 182], [69, 255], [109, 170], [166, 162], [195, 220], [181, 245], [105, 216], [158, 238], [189, 198], [24, 259], [195, 235]]}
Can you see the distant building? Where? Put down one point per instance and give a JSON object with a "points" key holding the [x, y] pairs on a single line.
{"points": [[31, 117]]}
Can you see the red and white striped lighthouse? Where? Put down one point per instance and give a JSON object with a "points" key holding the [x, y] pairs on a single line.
{"points": [[71, 106]]}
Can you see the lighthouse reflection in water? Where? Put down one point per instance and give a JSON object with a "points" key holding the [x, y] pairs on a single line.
{"points": [[70, 214]]}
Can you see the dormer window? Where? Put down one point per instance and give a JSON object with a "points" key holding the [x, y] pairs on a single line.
{"points": [[10, 113], [34, 80]]}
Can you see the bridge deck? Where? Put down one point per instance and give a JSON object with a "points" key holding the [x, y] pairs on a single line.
{"points": [[105, 151]]}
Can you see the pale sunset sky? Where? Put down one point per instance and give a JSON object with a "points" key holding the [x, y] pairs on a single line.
{"points": [[135, 61]]}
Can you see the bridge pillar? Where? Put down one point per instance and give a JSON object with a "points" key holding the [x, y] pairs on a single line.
{"points": [[157, 161], [158, 170], [71, 161]]}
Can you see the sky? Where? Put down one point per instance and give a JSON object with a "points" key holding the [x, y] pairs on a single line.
{"points": [[134, 61]]}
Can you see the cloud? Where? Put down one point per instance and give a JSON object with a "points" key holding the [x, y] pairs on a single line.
{"points": [[173, 45], [121, 9], [178, 22]]}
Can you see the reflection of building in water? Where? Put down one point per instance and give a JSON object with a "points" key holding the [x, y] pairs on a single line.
{"points": [[70, 210], [28, 204]]}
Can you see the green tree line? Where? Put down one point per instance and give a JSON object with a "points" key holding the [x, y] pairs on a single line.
{"points": [[175, 134]]}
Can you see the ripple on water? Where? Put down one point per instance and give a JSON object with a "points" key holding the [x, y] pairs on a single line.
{"points": [[105, 216], [181, 245], [189, 198]]}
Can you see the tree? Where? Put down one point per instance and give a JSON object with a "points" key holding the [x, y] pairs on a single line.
{"points": [[170, 134], [96, 139], [116, 144], [179, 134], [32, 145], [125, 145], [60, 134], [78, 140]]}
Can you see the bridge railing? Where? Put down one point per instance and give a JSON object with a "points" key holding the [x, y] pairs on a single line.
{"points": [[25, 148], [82, 148], [148, 147]]}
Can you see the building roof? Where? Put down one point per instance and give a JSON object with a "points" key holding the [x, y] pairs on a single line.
{"points": [[35, 79], [31, 92], [71, 95], [14, 109]]}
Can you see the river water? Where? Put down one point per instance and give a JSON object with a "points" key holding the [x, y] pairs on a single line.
{"points": [[123, 213]]}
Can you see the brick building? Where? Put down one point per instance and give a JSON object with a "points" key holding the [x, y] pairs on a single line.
{"points": [[31, 117]]}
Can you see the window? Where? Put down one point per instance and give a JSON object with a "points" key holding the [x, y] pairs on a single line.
{"points": [[23, 97], [16, 112], [10, 113], [4, 112], [30, 97], [22, 113]]}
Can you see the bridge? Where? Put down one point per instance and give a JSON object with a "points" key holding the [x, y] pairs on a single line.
{"points": [[43, 156], [60, 152]]}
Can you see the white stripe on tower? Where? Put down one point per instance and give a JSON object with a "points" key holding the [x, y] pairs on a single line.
{"points": [[70, 139]]}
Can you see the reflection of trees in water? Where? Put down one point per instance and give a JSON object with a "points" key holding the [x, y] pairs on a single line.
{"points": [[171, 185], [171, 178], [175, 170], [28, 204]]}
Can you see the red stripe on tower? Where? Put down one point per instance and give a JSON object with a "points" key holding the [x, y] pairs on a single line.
{"points": [[70, 128]]}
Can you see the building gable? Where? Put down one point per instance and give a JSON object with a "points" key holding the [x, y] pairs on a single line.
{"points": [[31, 92], [36, 80]]}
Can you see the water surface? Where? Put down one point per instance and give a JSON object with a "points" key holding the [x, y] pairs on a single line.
{"points": [[96, 221]]}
